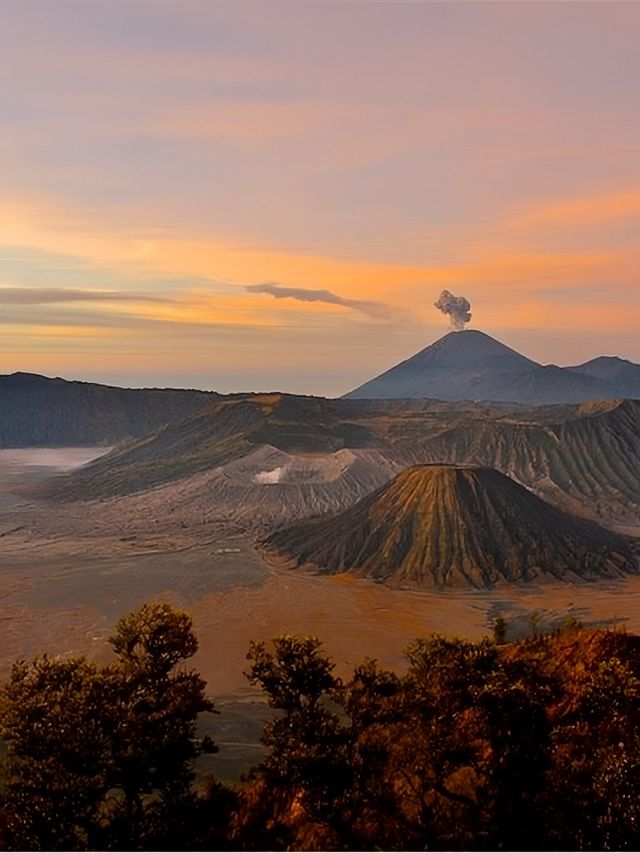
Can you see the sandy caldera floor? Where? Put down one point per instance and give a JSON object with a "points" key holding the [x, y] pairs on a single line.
{"points": [[67, 572]]}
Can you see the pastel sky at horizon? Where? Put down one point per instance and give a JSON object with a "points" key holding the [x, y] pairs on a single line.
{"points": [[261, 195]]}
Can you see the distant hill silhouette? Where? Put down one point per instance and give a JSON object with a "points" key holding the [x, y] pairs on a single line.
{"points": [[470, 365], [452, 526], [622, 374], [36, 411]]}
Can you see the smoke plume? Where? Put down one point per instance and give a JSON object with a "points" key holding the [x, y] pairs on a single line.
{"points": [[270, 477], [457, 307]]}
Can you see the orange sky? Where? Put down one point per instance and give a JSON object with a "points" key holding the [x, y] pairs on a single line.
{"points": [[159, 159]]}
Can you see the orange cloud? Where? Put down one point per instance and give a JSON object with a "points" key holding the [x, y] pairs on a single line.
{"points": [[67, 333], [483, 274], [580, 211], [253, 121], [535, 314]]}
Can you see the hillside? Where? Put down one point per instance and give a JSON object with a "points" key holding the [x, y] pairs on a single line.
{"points": [[585, 459], [450, 526], [623, 374], [36, 411], [470, 365], [328, 453], [212, 437]]}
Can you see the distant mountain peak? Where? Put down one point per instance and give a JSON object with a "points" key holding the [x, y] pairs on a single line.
{"points": [[609, 359], [613, 369], [471, 365], [25, 376], [470, 348]]}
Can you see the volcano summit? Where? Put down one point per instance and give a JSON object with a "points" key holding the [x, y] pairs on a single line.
{"points": [[470, 365]]}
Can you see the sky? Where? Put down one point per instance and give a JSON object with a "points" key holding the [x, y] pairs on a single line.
{"points": [[271, 195]]}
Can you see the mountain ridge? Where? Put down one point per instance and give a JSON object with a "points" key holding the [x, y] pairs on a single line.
{"points": [[39, 411], [583, 458]]}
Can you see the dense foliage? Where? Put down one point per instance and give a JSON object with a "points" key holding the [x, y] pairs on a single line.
{"points": [[101, 757], [479, 745]]}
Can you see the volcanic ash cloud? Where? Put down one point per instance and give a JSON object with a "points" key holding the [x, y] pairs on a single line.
{"points": [[457, 307]]}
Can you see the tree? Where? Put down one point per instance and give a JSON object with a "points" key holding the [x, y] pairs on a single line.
{"points": [[154, 710], [295, 676], [153, 639], [57, 772], [595, 779], [103, 756], [451, 755], [308, 770], [499, 630]]}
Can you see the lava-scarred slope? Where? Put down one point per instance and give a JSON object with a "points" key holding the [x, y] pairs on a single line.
{"points": [[451, 526], [584, 459]]}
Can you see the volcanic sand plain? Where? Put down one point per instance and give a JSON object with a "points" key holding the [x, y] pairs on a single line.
{"points": [[68, 571]]}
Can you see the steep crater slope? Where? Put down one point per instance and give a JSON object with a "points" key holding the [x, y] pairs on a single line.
{"points": [[261, 490], [451, 526], [585, 459], [217, 436]]}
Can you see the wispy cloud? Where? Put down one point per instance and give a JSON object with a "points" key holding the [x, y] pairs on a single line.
{"points": [[50, 295], [375, 310], [583, 211]]}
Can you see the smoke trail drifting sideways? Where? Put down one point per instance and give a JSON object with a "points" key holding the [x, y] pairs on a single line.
{"points": [[457, 307]]}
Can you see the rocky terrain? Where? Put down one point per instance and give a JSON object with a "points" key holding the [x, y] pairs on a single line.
{"points": [[274, 457], [449, 525], [175, 509]]}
